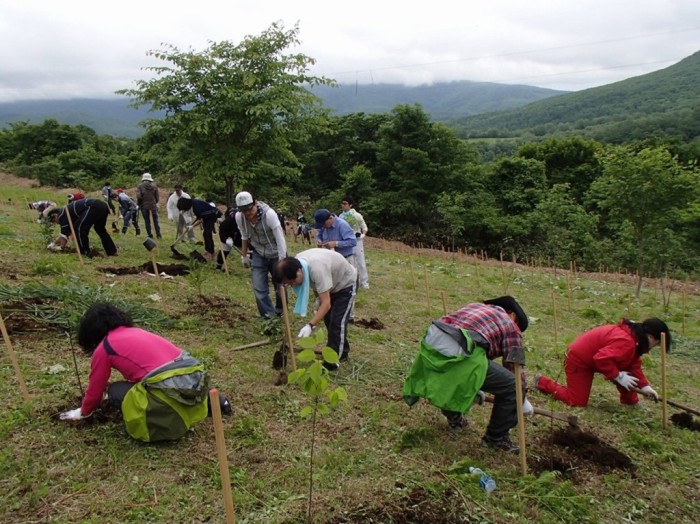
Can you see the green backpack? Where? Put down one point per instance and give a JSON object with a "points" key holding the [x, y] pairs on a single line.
{"points": [[168, 401]]}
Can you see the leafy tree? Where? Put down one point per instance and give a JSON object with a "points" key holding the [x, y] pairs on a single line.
{"points": [[647, 190], [232, 109]]}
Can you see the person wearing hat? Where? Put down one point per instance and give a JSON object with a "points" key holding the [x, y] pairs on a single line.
{"points": [[147, 198], [43, 207], [335, 233], [332, 279], [75, 196], [262, 245], [181, 218], [456, 364], [85, 214], [614, 351]]}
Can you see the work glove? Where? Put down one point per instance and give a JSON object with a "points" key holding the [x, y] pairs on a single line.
{"points": [[480, 398], [527, 408], [305, 331], [73, 414], [626, 380], [245, 261], [229, 242], [362, 235], [649, 392]]}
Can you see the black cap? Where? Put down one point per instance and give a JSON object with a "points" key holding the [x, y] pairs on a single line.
{"points": [[511, 306]]}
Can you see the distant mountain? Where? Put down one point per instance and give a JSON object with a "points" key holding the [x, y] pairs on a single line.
{"points": [[662, 103], [441, 101]]}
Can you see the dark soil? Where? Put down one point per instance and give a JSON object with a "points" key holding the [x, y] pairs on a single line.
{"points": [[685, 420], [168, 269], [100, 416], [219, 308], [372, 323], [417, 507], [574, 449]]}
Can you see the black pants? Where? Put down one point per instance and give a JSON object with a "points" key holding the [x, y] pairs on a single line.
{"points": [[500, 382], [336, 321], [94, 216], [208, 223]]}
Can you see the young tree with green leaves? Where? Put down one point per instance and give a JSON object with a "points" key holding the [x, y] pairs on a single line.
{"points": [[232, 109]]}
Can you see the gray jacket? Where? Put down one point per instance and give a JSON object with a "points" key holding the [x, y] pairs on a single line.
{"points": [[147, 195]]}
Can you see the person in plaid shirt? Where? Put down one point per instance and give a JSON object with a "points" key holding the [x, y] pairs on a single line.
{"points": [[456, 364]]}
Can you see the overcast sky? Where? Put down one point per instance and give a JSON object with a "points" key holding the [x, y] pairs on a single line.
{"points": [[55, 49]]}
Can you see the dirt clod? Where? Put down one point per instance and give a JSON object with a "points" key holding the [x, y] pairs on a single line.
{"points": [[685, 420], [371, 323], [588, 447]]}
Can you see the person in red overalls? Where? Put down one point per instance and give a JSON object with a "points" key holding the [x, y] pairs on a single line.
{"points": [[614, 351]]}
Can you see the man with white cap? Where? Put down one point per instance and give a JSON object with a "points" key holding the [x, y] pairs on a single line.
{"points": [[262, 245], [147, 199]]}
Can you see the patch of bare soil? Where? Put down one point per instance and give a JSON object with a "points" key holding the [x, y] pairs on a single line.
{"points": [[570, 450], [218, 308], [685, 420], [168, 269], [417, 506], [371, 323], [100, 416], [16, 318]]}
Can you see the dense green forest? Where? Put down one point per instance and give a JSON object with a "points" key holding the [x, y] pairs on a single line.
{"points": [[631, 205]]}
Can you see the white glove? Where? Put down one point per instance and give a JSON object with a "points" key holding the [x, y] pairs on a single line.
{"points": [[229, 242], [527, 408], [649, 392], [362, 236], [73, 414], [51, 245], [245, 261], [306, 331], [626, 380]]}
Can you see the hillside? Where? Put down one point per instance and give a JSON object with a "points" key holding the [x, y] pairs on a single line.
{"points": [[664, 101], [441, 101]]}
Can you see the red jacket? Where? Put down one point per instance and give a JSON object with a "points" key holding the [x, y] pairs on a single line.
{"points": [[608, 350]]}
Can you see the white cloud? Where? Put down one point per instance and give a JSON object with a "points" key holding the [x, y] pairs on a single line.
{"points": [[80, 48]]}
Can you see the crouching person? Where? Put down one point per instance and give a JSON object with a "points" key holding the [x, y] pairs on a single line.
{"points": [[165, 391]]}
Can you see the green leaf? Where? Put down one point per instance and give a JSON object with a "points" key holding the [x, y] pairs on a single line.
{"points": [[322, 409], [330, 356], [342, 394], [306, 356], [295, 375], [307, 343], [306, 411]]}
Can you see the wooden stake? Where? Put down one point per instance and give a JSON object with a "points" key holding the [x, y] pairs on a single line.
{"points": [[223, 258], [521, 419], [252, 345], [221, 452], [160, 283], [413, 277], [444, 303], [684, 298], [75, 237], [287, 327], [664, 408], [503, 276], [427, 292], [554, 314], [15, 363], [568, 288]]}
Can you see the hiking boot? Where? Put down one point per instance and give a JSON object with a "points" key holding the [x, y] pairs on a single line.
{"points": [[503, 444], [138, 232], [225, 404], [457, 424], [124, 230], [159, 236]]}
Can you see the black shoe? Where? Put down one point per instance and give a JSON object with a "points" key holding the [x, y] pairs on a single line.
{"points": [[159, 237], [150, 236], [225, 405], [503, 444], [138, 232], [331, 367], [457, 424]]}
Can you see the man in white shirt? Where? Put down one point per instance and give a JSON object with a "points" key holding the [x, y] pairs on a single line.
{"points": [[182, 218]]}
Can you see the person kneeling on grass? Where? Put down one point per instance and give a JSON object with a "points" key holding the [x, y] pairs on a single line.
{"points": [[166, 389], [455, 364], [614, 351]]}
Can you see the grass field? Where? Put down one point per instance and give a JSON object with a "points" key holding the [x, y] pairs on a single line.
{"points": [[376, 460]]}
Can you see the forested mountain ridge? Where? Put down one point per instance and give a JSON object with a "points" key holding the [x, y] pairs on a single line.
{"points": [[665, 102]]}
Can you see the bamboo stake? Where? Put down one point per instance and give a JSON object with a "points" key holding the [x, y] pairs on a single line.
{"points": [[75, 237], [223, 258], [568, 289], [444, 303], [664, 408], [427, 292], [160, 282], [410, 265], [221, 452], [15, 363], [503, 276], [684, 298], [554, 314], [287, 327], [521, 419], [252, 345]]}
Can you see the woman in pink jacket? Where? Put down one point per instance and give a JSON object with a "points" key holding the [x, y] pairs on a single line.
{"points": [[615, 352], [108, 334]]}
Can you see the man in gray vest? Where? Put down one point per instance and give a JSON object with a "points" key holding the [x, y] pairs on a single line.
{"points": [[263, 244]]}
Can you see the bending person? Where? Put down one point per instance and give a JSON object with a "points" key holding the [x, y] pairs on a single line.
{"points": [[85, 214], [176, 396], [614, 351]]}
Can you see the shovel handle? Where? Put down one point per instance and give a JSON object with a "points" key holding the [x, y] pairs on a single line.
{"points": [[670, 403]]}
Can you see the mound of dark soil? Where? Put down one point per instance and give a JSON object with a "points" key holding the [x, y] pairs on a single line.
{"points": [[372, 323], [685, 420], [418, 506], [168, 269], [582, 450]]}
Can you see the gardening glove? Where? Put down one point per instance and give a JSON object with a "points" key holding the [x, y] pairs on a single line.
{"points": [[229, 242], [245, 261], [306, 331], [626, 380], [480, 398], [527, 408], [649, 392], [73, 414]]}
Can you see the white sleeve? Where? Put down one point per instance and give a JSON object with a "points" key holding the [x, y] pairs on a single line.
{"points": [[274, 223], [240, 219]]}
